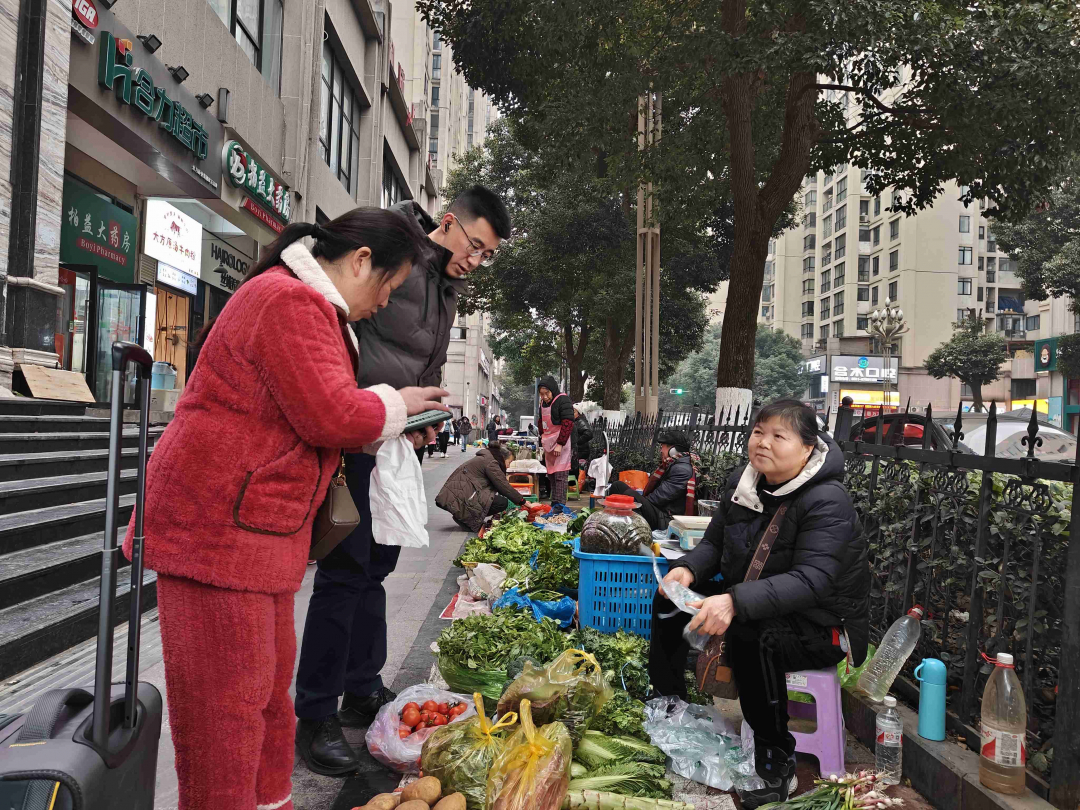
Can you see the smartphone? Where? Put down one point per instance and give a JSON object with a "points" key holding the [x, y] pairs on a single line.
{"points": [[426, 419]]}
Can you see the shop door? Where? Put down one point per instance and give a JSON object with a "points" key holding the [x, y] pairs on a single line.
{"points": [[72, 316], [118, 319], [173, 315]]}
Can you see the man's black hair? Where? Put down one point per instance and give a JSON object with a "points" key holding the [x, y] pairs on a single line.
{"points": [[480, 201]]}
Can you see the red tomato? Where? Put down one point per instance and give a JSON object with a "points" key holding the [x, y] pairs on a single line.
{"points": [[410, 717], [441, 720], [459, 709], [444, 708], [408, 706], [404, 732], [430, 706], [421, 725]]}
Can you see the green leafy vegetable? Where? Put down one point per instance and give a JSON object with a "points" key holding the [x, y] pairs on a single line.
{"points": [[598, 750], [624, 657], [624, 715], [628, 779], [513, 543], [579, 521]]}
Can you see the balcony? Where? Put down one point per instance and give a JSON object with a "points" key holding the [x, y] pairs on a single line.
{"points": [[1014, 334]]}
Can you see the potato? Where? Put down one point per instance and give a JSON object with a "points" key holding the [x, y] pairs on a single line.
{"points": [[384, 801], [428, 790], [455, 801], [415, 804]]}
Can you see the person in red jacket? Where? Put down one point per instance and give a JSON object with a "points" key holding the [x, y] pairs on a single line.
{"points": [[234, 484]]}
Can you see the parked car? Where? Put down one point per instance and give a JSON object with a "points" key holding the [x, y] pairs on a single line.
{"points": [[1012, 427], [907, 429]]}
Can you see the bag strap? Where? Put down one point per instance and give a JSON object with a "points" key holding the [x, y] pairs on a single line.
{"points": [[764, 546]]}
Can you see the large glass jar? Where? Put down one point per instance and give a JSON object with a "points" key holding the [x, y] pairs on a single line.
{"points": [[618, 529]]}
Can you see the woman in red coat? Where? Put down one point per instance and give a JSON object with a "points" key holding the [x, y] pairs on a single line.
{"points": [[234, 484]]}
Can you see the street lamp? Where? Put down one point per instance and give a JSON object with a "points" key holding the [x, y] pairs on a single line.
{"points": [[886, 324]]}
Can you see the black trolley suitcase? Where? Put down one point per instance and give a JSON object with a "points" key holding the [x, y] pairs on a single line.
{"points": [[95, 747]]}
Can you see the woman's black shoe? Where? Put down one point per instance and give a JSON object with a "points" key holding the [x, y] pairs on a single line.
{"points": [[323, 747]]}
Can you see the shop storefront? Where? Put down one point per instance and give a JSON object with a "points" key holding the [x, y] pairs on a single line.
{"points": [[863, 378], [1057, 397], [226, 259]]}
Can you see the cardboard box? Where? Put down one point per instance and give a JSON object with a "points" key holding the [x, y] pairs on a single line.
{"points": [[163, 399]]}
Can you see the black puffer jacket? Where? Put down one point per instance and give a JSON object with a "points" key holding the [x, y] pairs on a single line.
{"points": [[818, 566], [405, 343]]}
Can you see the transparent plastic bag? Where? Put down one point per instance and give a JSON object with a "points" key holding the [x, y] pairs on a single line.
{"points": [[403, 754], [681, 596], [571, 689], [488, 682], [461, 754], [700, 743], [533, 770]]}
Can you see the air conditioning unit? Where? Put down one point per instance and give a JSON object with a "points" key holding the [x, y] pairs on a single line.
{"points": [[864, 219]]}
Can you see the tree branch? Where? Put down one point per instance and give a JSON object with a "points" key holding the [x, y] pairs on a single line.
{"points": [[914, 113]]}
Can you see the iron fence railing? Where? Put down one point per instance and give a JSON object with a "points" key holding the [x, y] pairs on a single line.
{"points": [[985, 544]]}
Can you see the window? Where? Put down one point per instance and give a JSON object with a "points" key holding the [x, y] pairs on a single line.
{"points": [[991, 264], [980, 264], [435, 97], [810, 220], [965, 255], [772, 247], [826, 283], [991, 243], [864, 235], [826, 254], [961, 315], [436, 66], [838, 304], [808, 309], [764, 312], [829, 176], [1031, 323], [963, 286], [436, 41], [876, 236], [826, 203], [982, 232], [339, 132], [767, 293], [862, 322], [864, 209], [965, 223], [807, 331], [825, 302], [841, 246], [457, 332], [864, 268], [257, 28], [838, 275], [979, 297], [877, 205], [823, 333], [892, 290], [876, 262], [838, 328], [394, 191], [826, 227], [841, 189], [873, 296], [808, 264], [894, 229], [809, 241], [770, 270], [894, 261], [810, 200], [841, 217], [864, 294], [808, 286]]}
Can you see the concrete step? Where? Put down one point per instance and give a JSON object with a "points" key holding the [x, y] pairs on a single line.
{"points": [[26, 406], [28, 466], [51, 423], [36, 629], [38, 493], [40, 570], [11, 443], [36, 527]]}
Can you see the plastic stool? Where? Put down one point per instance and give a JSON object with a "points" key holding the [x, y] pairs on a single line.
{"points": [[572, 490], [827, 740], [528, 484]]}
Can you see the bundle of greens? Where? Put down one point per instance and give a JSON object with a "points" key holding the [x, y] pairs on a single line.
{"points": [[577, 523], [533, 558], [622, 715], [596, 750], [641, 779], [624, 657], [475, 651]]}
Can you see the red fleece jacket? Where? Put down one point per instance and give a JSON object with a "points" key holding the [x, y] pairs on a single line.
{"points": [[235, 481]]}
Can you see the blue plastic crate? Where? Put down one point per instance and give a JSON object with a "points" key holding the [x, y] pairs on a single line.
{"points": [[615, 591]]}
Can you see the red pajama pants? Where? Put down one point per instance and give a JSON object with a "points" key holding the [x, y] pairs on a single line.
{"points": [[228, 665]]}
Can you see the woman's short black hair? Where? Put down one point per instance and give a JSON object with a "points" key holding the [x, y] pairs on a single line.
{"points": [[799, 416]]}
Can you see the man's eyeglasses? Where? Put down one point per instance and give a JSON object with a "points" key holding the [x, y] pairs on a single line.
{"points": [[487, 256]]}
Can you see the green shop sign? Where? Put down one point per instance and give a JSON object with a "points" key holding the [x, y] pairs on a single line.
{"points": [[244, 172], [135, 86], [97, 232]]}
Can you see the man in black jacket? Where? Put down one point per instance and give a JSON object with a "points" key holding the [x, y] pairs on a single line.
{"points": [[404, 344], [660, 502]]}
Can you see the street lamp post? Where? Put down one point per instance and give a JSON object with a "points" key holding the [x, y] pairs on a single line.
{"points": [[886, 324]]}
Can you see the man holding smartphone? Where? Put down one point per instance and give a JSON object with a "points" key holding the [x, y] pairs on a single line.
{"points": [[344, 645]]}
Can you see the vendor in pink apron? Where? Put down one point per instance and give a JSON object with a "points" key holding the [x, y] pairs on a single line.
{"points": [[556, 422]]}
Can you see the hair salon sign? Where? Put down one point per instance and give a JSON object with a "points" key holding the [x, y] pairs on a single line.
{"points": [[244, 172]]}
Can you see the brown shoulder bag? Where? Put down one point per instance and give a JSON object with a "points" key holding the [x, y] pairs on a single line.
{"points": [[714, 676], [336, 518]]}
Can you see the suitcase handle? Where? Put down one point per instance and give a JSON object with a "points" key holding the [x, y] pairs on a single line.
{"points": [[123, 353], [42, 719]]}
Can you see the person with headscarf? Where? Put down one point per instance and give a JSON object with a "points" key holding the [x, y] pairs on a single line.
{"points": [[556, 424]]}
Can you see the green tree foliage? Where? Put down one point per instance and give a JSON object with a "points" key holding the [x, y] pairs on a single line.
{"points": [[1046, 243], [696, 376], [756, 94], [972, 355], [562, 290], [516, 399]]}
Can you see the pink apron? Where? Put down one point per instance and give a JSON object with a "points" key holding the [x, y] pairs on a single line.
{"points": [[549, 438]]}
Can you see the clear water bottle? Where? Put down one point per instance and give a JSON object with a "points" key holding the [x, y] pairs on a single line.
{"points": [[1003, 753], [898, 643], [889, 748]]}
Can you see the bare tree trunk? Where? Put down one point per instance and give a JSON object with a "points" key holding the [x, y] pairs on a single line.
{"points": [[575, 359], [618, 346], [976, 397]]}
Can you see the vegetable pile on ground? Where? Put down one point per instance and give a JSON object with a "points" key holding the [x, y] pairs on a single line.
{"points": [[423, 794], [622, 765], [540, 558]]}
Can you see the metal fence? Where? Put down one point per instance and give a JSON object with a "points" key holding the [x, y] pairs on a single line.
{"points": [[985, 544]]}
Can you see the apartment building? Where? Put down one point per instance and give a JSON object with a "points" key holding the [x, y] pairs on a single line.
{"points": [[471, 368]]}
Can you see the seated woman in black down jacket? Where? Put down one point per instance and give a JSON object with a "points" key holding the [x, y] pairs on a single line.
{"points": [[809, 606]]}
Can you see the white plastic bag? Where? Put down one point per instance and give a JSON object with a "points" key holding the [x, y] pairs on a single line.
{"points": [[600, 469], [398, 503], [403, 754]]}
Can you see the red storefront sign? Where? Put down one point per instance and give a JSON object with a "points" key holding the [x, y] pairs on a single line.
{"points": [[264, 216]]}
